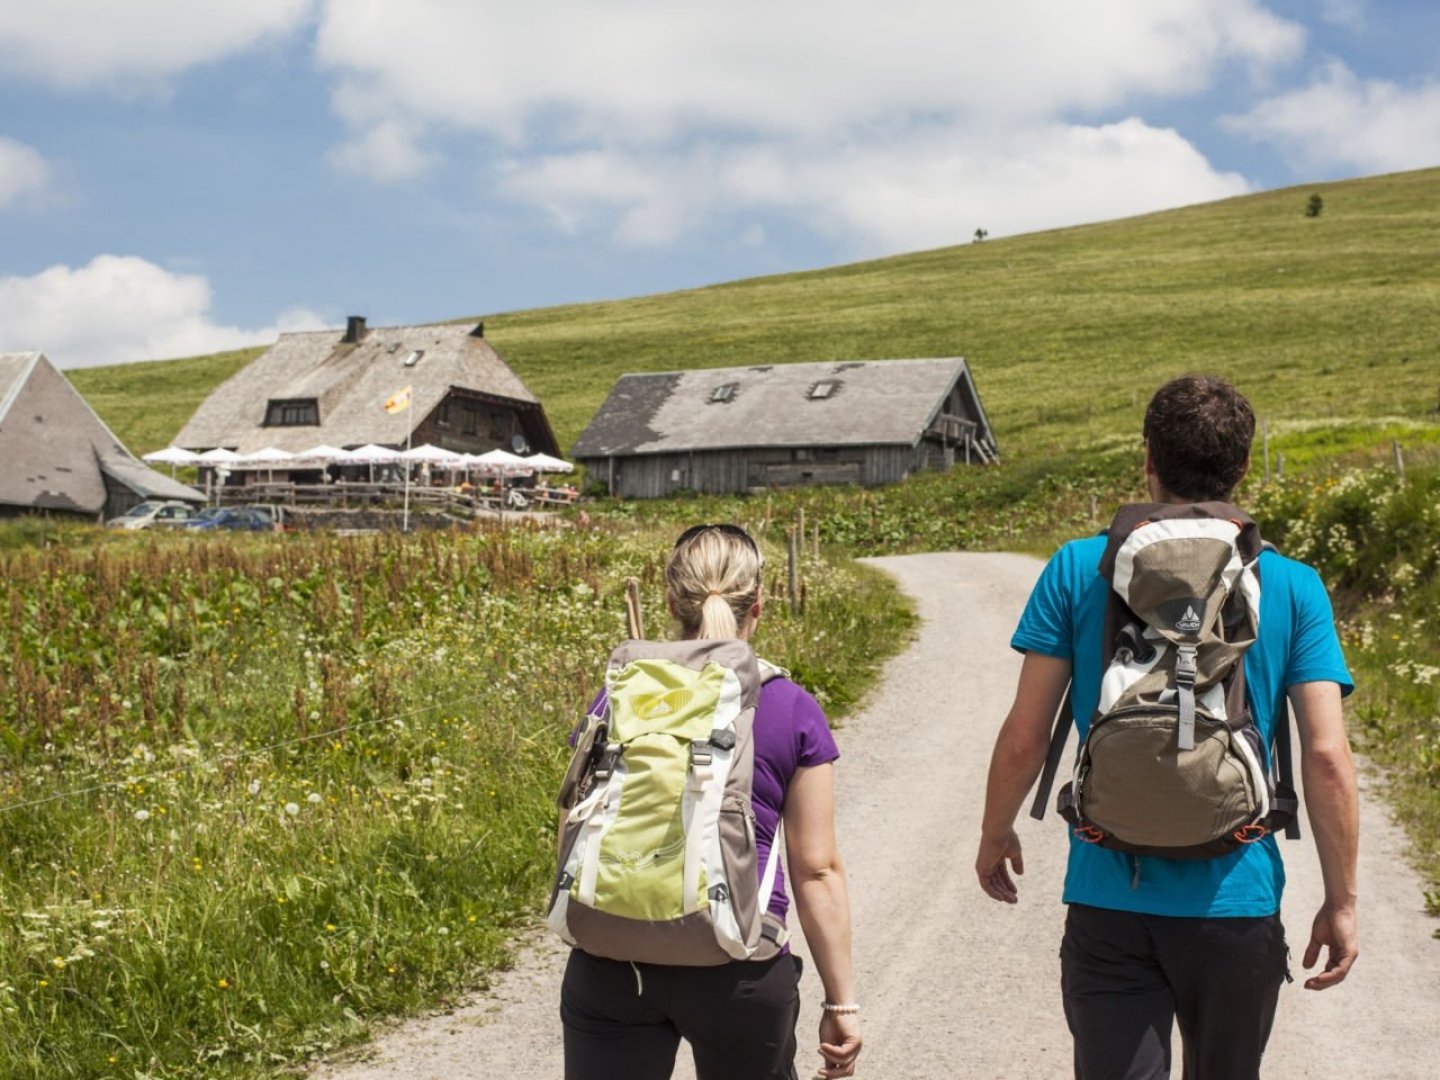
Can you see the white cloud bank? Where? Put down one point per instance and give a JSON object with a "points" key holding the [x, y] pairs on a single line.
{"points": [[24, 173], [916, 189], [120, 308], [81, 43], [882, 124], [1342, 121]]}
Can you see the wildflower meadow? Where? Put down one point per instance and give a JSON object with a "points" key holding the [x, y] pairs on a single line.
{"points": [[257, 792]]}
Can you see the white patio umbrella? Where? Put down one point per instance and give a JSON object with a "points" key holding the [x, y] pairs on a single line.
{"points": [[268, 458], [171, 455], [371, 454], [434, 456], [325, 455], [501, 462], [546, 463]]}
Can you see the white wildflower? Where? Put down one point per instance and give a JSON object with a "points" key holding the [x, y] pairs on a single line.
{"points": [[313, 798], [142, 815], [293, 809]]}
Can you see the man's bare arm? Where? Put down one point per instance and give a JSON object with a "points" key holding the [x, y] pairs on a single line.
{"points": [[1328, 770], [1017, 760]]}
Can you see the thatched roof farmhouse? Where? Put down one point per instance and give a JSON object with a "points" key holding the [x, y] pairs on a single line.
{"points": [[740, 429], [58, 456], [330, 387]]}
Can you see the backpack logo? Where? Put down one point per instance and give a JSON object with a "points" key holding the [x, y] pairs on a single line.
{"points": [[1188, 623], [659, 706]]}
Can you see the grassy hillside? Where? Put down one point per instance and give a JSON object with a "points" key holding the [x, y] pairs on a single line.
{"points": [[1332, 319], [147, 404]]}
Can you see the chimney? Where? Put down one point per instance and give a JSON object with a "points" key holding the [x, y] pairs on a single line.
{"points": [[479, 330], [354, 330]]}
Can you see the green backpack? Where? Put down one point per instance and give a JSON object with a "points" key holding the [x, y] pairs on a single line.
{"points": [[657, 859], [1173, 764]]}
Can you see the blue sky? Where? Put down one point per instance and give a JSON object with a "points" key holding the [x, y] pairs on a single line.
{"points": [[177, 178]]}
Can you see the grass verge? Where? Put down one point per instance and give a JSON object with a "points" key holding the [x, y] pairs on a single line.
{"points": [[257, 792]]}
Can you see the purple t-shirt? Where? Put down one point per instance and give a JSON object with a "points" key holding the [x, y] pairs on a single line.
{"points": [[790, 733]]}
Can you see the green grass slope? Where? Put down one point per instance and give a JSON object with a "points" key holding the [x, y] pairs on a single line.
{"points": [[147, 404], [1329, 320]]}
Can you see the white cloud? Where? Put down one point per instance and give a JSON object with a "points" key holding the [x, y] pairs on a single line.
{"points": [[915, 189], [1339, 120], [641, 70], [120, 308], [885, 123], [1347, 13], [80, 43], [389, 152], [24, 172]]}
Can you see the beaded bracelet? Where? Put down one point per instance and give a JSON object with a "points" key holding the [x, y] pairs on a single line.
{"points": [[839, 1010]]}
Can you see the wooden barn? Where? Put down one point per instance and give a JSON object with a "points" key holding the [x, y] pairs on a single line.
{"points": [[59, 457], [743, 429], [331, 388]]}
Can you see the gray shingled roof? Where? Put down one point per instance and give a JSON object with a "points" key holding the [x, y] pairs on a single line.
{"points": [[875, 402], [55, 448], [351, 384]]}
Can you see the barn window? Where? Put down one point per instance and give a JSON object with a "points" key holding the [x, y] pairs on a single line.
{"points": [[296, 412], [724, 392], [824, 389], [468, 418]]}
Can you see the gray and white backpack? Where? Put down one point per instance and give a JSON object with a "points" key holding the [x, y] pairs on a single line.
{"points": [[1173, 763]]}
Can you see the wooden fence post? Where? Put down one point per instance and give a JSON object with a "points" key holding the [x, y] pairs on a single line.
{"points": [[1399, 459], [800, 527], [793, 570]]}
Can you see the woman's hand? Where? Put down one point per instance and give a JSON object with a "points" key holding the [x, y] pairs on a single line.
{"points": [[839, 1044]]}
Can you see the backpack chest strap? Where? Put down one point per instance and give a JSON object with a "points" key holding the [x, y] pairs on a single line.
{"points": [[1185, 673]]}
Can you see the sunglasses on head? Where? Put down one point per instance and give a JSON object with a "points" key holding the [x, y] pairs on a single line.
{"points": [[725, 530]]}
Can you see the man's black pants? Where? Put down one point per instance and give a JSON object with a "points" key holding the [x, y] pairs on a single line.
{"points": [[625, 1021], [1126, 978]]}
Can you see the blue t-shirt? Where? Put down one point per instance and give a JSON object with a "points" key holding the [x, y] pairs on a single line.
{"points": [[1065, 618]]}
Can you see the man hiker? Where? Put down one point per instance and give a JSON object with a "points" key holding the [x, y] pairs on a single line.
{"points": [[1151, 939]]}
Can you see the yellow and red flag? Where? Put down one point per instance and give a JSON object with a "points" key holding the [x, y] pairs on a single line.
{"points": [[399, 401]]}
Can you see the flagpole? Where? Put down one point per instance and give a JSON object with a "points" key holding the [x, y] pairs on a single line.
{"points": [[405, 525]]}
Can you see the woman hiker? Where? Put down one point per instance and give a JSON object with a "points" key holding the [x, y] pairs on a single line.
{"points": [[624, 1021]]}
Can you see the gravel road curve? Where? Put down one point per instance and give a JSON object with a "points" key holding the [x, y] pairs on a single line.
{"points": [[954, 984]]}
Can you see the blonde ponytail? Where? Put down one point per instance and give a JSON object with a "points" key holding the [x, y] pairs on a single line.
{"points": [[713, 580]]}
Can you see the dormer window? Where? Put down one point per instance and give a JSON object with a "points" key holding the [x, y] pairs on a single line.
{"points": [[725, 392], [414, 357], [293, 412], [826, 388]]}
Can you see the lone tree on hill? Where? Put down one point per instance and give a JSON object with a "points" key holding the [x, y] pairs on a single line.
{"points": [[981, 234], [1314, 206]]}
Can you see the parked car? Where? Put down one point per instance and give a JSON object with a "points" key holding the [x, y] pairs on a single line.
{"points": [[167, 514], [231, 518]]}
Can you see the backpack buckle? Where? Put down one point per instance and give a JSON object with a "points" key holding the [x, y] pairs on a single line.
{"points": [[605, 763], [1186, 668], [702, 754]]}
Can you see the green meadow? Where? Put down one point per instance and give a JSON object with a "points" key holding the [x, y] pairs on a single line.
{"points": [[306, 780]]}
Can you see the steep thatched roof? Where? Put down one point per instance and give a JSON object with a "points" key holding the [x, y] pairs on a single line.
{"points": [[350, 383], [56, 451], [875, 402]]}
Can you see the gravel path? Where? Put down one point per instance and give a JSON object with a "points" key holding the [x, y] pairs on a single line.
{"points": [[955, 985]]}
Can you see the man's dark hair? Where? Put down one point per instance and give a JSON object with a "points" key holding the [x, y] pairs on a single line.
{"points": [[1199, 429]]}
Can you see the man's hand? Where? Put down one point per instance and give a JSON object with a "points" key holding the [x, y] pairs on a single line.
{"points": [[1333, 929], [990, 866]]}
